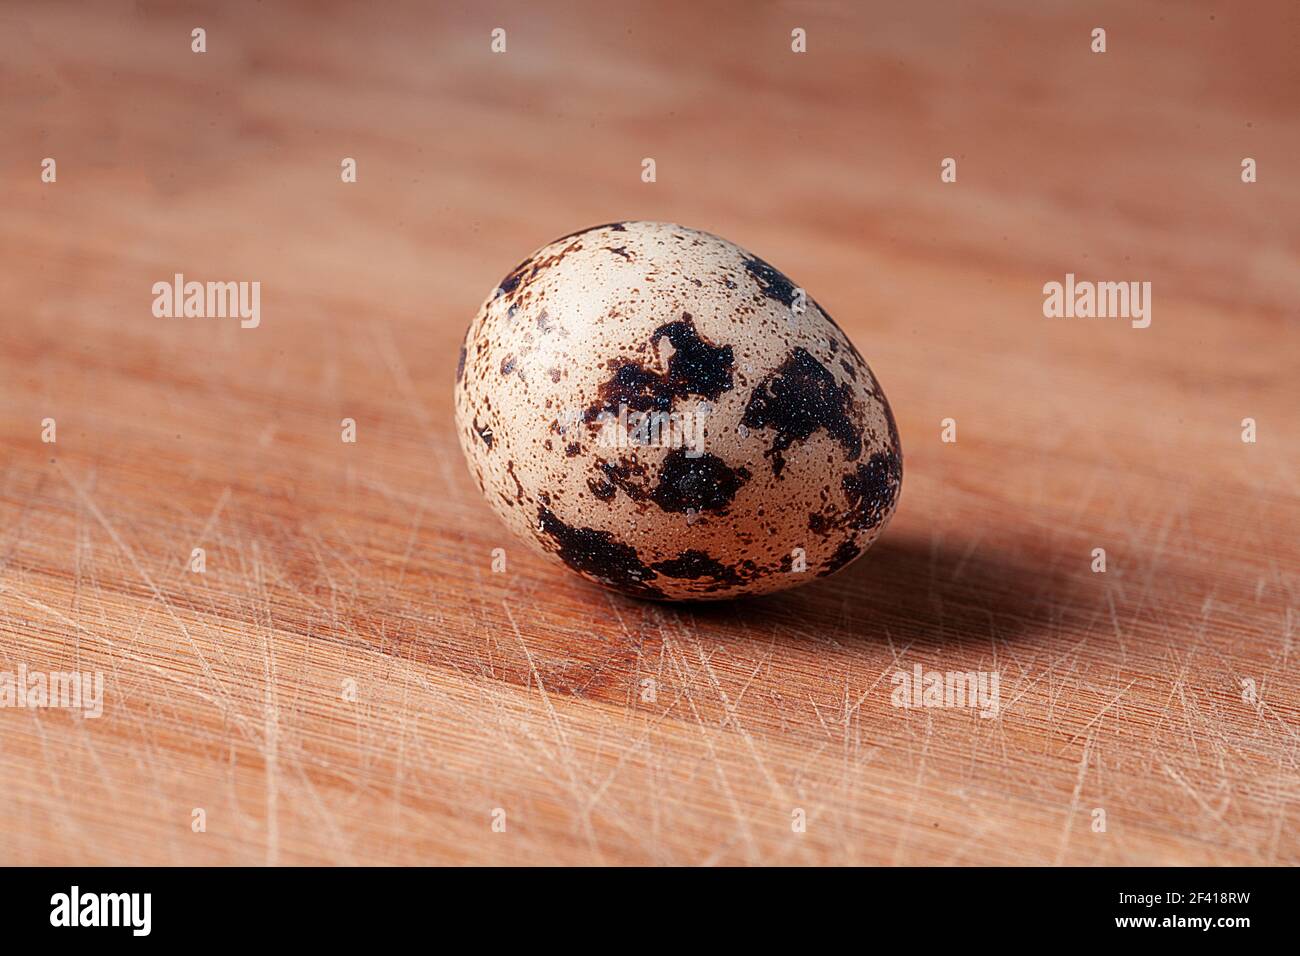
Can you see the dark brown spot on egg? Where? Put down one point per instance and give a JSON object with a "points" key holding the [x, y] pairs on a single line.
{"points": [[512, 280], [631, 385], [696, 367], [599, 555], [603, 488], [872, 489], [519, 489], [799, 398], [705, 483], [694, 565], [771, 281], [894, 443], [628, 476], [612, 226], [484, 432], [507, 365], [846, 552], [524, 273]]}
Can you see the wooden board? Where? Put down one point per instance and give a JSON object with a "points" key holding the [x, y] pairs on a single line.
{"points": [[350, 682]]}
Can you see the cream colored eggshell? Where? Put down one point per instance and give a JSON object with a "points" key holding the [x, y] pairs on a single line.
{"points": [[573, 329]]}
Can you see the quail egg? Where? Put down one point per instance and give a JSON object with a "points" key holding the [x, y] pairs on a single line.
{"points": [[672, 417]]}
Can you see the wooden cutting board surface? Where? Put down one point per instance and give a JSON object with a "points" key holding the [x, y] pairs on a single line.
{"points": [[349, 681]]}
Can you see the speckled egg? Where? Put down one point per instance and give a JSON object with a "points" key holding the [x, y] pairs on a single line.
{"points": [[670, 416]]}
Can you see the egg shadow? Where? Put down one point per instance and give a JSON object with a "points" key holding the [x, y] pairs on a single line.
{"points": [[917, 589]]}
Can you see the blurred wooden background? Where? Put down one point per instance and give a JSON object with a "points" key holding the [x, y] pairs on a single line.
{"points": [[329, 563]]}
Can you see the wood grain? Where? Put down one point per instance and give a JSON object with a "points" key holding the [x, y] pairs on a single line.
{"points": [[371, 563]]}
